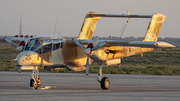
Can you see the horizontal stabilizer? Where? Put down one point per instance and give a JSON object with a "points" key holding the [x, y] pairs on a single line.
{"points": [[120, 15]]}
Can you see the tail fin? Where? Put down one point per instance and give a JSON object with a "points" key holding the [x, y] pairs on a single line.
{"points": [[88, 26], [154, 27]]}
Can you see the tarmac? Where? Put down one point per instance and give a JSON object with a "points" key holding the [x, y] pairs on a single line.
{"points": [[78, 87]]}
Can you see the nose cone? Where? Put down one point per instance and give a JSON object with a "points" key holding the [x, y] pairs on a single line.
{"points": [[25, 58], [88, 52]]}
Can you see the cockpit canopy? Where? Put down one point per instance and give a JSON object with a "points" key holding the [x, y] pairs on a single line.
{"points": [[43, 45]]}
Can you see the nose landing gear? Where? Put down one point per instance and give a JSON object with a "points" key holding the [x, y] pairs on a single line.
{"points": [[35, 80]]}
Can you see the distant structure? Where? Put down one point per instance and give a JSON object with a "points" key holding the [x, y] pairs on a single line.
{"points": [[20, 30]]}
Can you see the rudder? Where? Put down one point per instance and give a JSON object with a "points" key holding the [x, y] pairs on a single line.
{"points": [[154, 27], [88, 26]]}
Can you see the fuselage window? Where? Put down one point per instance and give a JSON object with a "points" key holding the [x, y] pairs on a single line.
{"points": [[56, 44], [61, 40], [46, 45]]}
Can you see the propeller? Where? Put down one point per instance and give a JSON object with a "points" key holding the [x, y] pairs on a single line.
{"points": [[9, 41], [88, 51], [18, 48]]}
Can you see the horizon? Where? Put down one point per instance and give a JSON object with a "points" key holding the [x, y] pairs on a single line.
{"points": [[2, 37]]}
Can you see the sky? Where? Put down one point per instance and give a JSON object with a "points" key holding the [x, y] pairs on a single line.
{"points": [[39, 17]]}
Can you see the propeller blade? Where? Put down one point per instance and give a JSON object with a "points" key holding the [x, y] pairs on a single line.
{"points": [[78, 44], [99, 45], [87, 66], [9, 41]]}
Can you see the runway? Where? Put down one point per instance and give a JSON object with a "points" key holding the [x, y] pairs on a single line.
{"points": [[78, 87]]}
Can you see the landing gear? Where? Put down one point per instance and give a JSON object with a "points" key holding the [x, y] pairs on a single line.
{"points": [[33, 84], [38, 81], [35, 80], [104, 82]]}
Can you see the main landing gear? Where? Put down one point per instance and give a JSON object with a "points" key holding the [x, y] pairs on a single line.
{"points": [[35, 80], [104, 82]]}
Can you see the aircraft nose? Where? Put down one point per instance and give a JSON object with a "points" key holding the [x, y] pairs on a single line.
{"points": [[25, 58]]}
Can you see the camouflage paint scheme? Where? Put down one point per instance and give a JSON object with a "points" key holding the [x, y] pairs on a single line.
{"points": [[73, 56]]}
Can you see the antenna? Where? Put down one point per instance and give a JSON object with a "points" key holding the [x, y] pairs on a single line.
{"points": [[20, 30], [55, 26], [123, 28]]}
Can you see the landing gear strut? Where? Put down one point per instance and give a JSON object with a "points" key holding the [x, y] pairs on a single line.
{"points": [[35, 80], [104, 82]]}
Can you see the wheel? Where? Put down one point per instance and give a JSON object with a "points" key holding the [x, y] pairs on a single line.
{"points": [[69, 69], [47, 68], [33, 84], [105, 83], [38, 81]]}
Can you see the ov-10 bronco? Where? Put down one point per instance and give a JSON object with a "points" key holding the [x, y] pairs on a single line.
{"points": [[78, 53]]}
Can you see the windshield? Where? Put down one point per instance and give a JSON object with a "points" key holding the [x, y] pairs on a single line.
{"points": [[29, 44], [33, 45], [36, 46], [47, 45]]}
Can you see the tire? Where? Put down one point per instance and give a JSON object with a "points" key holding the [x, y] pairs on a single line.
{"points": [[38, 81], [33, 84], [105, 83]]}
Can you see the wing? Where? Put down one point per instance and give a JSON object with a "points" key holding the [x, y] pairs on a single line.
{"points": [[143, 44], [120, 15]]}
